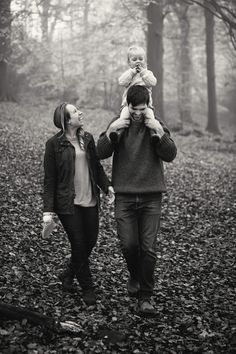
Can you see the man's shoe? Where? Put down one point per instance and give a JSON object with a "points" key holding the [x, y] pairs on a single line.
{"points": [[89, 296], [133, 287], [146, 308]]}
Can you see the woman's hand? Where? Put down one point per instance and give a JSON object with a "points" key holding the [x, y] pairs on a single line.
{"points": [[48, 217]]}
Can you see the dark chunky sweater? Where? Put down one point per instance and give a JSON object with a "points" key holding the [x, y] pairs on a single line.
{"points": [[137, 164]]}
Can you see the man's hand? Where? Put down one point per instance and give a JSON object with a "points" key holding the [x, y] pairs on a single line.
{"points": [[120, 123], [151, 122]]}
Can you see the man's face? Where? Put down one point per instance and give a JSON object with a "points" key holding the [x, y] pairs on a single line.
{"points": [[137, 111]]}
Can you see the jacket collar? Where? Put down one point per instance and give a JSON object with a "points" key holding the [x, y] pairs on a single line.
{"points": [[65, 142]]}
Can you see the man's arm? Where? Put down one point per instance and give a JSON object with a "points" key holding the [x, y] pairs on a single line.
{"points": [[165, 148], [105, 148]]}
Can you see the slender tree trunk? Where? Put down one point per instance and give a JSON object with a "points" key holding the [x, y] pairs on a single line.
{"points": [[212, 124], [44, 20], [155, 52], [185, 66], [5, 48]]}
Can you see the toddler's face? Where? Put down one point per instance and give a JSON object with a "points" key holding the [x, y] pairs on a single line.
{"points": [[137, 59]]}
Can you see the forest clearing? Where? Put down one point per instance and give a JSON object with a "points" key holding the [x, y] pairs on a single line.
{"points": [[195, 290], [54, 51]]}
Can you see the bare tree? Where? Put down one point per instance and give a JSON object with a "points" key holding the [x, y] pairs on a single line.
{"points": [[225, 10], [212, 124], [5, 48], [184, 91], [155, 51]]}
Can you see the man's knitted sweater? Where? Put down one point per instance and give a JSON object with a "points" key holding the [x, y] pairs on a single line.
{"points": [[137, 163]]}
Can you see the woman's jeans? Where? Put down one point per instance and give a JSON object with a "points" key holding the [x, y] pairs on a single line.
{"points": [[138, 222], [82, 231]]}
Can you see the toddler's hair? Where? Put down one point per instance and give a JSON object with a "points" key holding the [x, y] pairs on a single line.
{"points": [[135, 48]]}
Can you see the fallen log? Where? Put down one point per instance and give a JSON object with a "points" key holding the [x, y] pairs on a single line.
{"points": [[11, 312]]}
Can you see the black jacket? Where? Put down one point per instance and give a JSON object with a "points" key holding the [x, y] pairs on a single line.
{"points": [[59, 168]]}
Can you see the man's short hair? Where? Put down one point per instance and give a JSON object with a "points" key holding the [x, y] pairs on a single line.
{"points": [[137, 95]]}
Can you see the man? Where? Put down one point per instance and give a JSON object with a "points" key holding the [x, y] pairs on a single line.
{"points": [[138, 181]]}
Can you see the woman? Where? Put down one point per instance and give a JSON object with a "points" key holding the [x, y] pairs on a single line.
{"points": [[72, 176]]}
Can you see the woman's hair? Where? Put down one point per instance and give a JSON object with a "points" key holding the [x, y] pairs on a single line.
{"points": [[61, 116], [137, 94]]}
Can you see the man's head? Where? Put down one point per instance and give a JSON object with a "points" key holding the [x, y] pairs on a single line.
{"points": [[137, 100]]}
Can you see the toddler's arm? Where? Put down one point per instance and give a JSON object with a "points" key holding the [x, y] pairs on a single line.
{"points": [[126, 78], [148, 78]]}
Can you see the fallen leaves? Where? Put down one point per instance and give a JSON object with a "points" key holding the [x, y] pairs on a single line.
{"points": [[195, 290]]}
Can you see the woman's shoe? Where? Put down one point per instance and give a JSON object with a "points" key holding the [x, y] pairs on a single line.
{"points": [[89, 296], [133, 287]]}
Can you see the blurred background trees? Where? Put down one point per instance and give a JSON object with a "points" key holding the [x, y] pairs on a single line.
{"points": [[75, 50]]}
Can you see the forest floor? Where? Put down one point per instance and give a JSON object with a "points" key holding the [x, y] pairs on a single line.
{"points": [[195, 271]]}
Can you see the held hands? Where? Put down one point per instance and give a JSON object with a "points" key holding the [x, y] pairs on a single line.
{"points": [[152, 123], [111, 195]]}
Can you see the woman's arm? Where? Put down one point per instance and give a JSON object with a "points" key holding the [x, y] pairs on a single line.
{"points": [[49, 178]]}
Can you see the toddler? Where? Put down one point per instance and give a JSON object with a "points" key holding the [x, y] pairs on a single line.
{"points": [[137, 74]]}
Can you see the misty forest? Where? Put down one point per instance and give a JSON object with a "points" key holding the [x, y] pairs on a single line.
{"points": [[53, 51]]}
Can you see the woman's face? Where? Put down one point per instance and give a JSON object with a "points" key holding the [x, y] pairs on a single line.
{"points": [[76, 116]]}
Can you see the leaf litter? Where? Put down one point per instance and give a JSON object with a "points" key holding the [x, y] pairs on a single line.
{"points": [[195, 270]]}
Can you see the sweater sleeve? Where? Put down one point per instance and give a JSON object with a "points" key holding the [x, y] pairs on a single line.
{"points": [[165, 148], [49, 178], [148, 78], [104, 147], [103, 181], [126, 78]]}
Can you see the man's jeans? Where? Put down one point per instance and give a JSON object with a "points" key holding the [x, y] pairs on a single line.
{"points": [[82, 231], [138, 222]]}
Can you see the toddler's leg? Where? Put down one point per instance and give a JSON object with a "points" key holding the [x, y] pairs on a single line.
{"points": [[115, 136], [154, 137]]}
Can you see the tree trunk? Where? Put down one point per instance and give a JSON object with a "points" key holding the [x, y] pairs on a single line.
{"points": [[212, 124], [44, 20], [185, 66], [5, 48], [155, 52]]}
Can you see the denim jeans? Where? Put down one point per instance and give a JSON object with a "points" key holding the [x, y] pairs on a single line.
{"points": [[82, 231], [138, 222]]}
